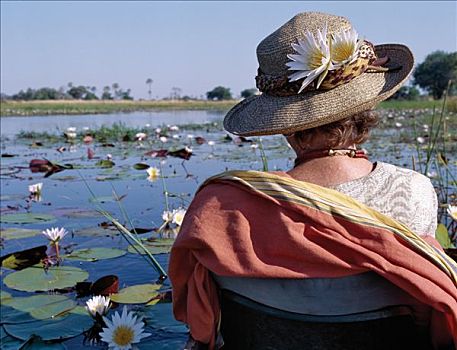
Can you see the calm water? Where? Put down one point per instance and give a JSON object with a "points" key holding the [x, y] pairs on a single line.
{"points": [[12, 125]]}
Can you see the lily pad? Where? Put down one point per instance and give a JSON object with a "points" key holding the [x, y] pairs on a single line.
{"points": [[4, 295], [157, 246], [76, 213], [8, 342], [35, 278], [160, 316], [141, 166], [24, 258], [105, 163], [97, 232], [26, 218], [94, 254], [139, 294], [18, 233], [11, 197], [41, 306], [58, 329]]}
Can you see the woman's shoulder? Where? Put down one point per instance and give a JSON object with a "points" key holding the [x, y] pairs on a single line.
{"points": [[400, 175]]}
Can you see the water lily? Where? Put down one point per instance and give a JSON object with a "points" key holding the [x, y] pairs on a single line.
{"points": [[123, 330], [35, 191], [420, 139], [71, 129], [313, 59], [398, 125], [174, 128], [172, 218], [452, 211], [163, 139], [178, 216], [158, 130], [153, 173], [55, 234], [140, 136], [211, 143], [345, 47], [98, 305]]}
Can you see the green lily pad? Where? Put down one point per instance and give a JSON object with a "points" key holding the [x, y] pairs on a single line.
{"points": [[94, 254], [105, 163], [139, 294], [157, 246], [102, 199], [76, 213], [42, 306], [97, 231], [35, 278], [57, 329], [141, 166], [26, 218], [11, 197], [18, 233], [36, 343], [8, 342], [154, 250], [160, 316], [4, 295]]}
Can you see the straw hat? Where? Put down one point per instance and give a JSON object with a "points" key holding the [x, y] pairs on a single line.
{"points": [[341, 87]]}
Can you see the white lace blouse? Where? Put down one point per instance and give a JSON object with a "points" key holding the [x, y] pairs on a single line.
{"points": [[402, 194]]}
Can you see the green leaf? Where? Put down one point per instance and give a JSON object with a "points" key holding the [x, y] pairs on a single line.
{"points": [[140, 166], [24, 258], [154, 250], [97, 231], [139, 294], [17, 233], [442, 236], [35, 278], [26, 218], [57, 329], [76, 213], [105, 163], [94, 254], [42, 306], [157, 246]]}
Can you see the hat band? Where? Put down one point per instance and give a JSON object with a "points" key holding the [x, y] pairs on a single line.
{"points": [[282, 86]]}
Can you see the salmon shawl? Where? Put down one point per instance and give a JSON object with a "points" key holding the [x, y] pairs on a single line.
{"points": [[257, 224]]}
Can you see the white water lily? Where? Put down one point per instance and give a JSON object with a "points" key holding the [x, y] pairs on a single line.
{"points": [[345, 47], [35, 189], [175, 217], [211, 143], [140, 136], [163, 139], [420, 139], [123, 330], [55, 234], [178, 216], [153, 173], [313, 59], [71, 129], [174, 128], [98, 305], [452, 211]]}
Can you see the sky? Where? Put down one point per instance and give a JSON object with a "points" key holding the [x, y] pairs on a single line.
{"points": [[194, 46]]}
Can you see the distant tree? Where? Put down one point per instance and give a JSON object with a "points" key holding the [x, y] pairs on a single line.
{"points": [[115, 87], [219, 93], [248, 93], [90, 96], [124, 95], [106, 95], [77, 92], [149, 82], [175, 93], [434, 73], [410, 93]]}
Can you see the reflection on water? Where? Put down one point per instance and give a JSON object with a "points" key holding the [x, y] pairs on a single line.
{"points": [[13, 125]]}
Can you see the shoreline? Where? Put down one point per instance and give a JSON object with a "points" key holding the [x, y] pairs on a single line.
{"points": [[72, 107]]}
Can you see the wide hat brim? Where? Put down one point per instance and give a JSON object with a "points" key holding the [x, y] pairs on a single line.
{"points": [[269, 115]]}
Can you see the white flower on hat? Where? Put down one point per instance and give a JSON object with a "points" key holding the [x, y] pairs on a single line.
{"points": [[345, 47], [313, 59]]}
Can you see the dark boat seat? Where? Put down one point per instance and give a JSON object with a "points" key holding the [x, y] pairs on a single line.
{"points": [[362, 311]]}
